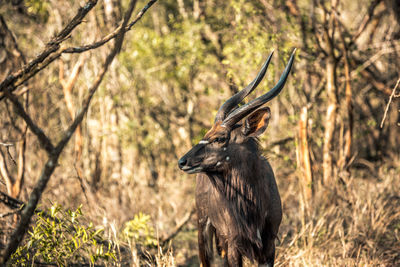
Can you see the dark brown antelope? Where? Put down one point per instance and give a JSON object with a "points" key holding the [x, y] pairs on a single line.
{"points": [[237, 198]]}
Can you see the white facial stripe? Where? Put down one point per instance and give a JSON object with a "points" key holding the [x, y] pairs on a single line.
{"points": [[204, 142]]}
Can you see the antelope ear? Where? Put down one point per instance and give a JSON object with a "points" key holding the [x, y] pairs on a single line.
{"points": [[257, 122]]}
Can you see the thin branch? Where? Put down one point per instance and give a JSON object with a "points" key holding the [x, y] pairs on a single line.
{"points": [[140, 14], [67, 90], [6, 144], [281, 142], [304, 156], [9, 180], [52, 46], [9, 213], [367, 19], [33, 72], [349, 102], [43, 139], [29, 209], [19, 181], [110, 36], [14, 42], [11, 202], [92, 90], [10, 156], [390, 101], [371, 78], [178, 227], [374, 58], [16, 204]]}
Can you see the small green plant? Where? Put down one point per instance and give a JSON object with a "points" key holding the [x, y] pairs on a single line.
{"points": [[140, 231], [60, 237]]}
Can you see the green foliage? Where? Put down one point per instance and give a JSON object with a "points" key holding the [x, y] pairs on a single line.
{"points": [[38, 8], [61, 237], [140, 231]]}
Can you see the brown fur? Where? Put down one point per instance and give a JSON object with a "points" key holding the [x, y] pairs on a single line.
{"points": [[238, 203], [216, 131]]}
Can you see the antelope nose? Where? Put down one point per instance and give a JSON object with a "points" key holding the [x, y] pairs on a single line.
{"points": [[182, 162]]}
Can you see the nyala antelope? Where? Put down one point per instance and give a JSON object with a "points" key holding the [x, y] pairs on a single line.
{"points": [[237, 198]]}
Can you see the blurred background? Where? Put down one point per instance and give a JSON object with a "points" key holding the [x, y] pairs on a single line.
{"points": [[333, 138]]}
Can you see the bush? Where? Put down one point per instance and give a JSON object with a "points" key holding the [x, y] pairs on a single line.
{"points": [[140, 231], [61, 237]]}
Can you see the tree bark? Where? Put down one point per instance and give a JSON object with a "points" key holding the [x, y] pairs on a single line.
{"points": [[330, 121], [332, 94], [304, 155]]}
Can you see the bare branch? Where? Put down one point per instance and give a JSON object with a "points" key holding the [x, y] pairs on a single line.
{"points": [[10, 213], [343, 161], [110, 36], [390, 101], [6, 144], [67, 90], [375, 81], [16, 204], [9, 180], [43, 139], [11, 35], [52, 46], [11, 202], [141, 13], [304, 155], [40, 65], [281, 142], [178, 227], [92, 90], [367, 19]]}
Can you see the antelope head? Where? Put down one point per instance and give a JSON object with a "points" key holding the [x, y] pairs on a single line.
{"points": [[220, 144]]}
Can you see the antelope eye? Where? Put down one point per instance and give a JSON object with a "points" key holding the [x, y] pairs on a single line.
{"points": [[220, 140]]}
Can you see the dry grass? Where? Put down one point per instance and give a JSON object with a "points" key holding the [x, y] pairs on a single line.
{"points": [[355, 223]]}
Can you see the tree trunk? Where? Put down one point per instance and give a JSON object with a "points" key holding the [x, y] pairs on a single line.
{"points": [[304, 155], [330, 121]]}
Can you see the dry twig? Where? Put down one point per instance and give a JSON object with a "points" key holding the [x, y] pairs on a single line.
{"points": [[390, 101], [164, 241]]}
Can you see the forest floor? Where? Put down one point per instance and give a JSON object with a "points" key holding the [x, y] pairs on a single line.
{"points": [[356, 223]]}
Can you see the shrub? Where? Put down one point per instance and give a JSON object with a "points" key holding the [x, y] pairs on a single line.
{"points": [[140, 231], [61, 237]]}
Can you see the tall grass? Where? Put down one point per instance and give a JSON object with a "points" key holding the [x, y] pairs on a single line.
{"points": [[354, 223]]}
